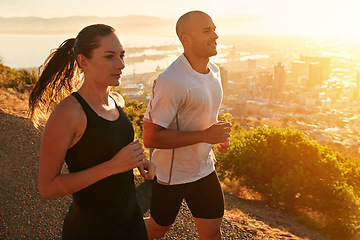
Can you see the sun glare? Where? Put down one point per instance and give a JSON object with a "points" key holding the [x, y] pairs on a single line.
{"points": [[330, 18]]}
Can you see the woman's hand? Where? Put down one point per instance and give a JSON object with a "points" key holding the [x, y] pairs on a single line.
{"points": [[130, 157], [147, 170]]}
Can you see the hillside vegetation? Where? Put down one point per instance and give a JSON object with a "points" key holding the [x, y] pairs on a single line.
{"points": [[19, 80], [280, 167], [300, 176]]}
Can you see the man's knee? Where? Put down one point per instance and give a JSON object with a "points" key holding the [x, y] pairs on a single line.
{"points": [[208, 228], [155, 230]]}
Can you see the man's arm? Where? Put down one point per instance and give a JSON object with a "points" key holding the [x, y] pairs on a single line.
{"points": [[156, 136]]}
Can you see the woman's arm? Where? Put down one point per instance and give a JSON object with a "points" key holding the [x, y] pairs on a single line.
{"points": [[63, 126]]}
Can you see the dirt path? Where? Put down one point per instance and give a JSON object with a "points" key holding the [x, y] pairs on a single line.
{"points": [[24, 215]]}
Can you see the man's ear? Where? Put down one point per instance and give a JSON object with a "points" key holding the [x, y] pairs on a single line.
{"points": [[184, 38], [82, 61]]}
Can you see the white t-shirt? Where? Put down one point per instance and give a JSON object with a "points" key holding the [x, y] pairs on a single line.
{"points": [[196, 98]]}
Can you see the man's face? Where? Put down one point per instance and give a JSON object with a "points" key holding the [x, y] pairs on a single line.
{"points": [[201, 35]]}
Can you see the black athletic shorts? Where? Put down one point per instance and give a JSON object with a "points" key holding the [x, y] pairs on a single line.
{"points": [[204, 198], [133, 229]]}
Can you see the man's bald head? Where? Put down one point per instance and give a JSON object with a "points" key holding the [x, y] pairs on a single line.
{"points": [[182, 25], [196, 32]]}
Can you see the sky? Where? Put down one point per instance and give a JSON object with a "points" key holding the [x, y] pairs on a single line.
{"points": [[332, 17], [174, 8]]}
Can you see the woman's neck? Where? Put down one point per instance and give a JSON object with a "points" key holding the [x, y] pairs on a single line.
{"points": [[94, 94]]}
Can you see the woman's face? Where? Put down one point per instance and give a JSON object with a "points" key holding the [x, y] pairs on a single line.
{"points": [[107, 62]]}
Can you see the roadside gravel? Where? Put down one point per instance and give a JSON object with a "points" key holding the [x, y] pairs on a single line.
{"points": [[24, 215]]}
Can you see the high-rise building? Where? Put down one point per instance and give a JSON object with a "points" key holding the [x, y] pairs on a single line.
{"points": [[315, 74], [224, 75], [265, 79], [299, 70], [252, 66], [324, 63], [233, 55], [279, 78]]}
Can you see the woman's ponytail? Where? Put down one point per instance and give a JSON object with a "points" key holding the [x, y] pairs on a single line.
{"points": [[58, 76]]}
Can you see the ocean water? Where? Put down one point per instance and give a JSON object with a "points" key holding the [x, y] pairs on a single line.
{"points": [[29, 51], [22, 51]]}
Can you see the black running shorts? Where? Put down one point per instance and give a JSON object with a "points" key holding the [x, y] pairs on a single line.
{"points": [[204, 198]]}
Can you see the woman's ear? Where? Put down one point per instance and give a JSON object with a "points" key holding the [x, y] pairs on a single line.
{"points": [[82, 61]]}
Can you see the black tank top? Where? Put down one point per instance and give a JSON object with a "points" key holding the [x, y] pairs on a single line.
{"points": [[112, 200]]}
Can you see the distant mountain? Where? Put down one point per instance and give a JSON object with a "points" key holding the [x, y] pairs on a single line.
{"points": [[132, 25], [127, 25]]}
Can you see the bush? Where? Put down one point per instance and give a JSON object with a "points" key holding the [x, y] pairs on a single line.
{"points": [[20, 80], [294, 173], [135, 112]]}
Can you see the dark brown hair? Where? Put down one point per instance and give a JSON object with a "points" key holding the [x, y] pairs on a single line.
{"points": [[59, 74]]}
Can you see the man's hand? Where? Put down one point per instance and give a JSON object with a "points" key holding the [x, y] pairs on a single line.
{"points": [[223, 147], [147, 170], [217, 133]]}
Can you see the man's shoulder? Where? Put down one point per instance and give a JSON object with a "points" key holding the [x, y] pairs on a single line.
{"points": [[171, 80], [213, 67], [174, 73], [177, 67]]}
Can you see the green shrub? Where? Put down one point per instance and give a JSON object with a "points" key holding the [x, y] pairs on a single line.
{"points": [[293, 173], [135, 112], [20, 80]]}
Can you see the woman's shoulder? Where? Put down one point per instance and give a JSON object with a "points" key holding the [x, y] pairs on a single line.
{"points": [[67, 121], [118, 99], [69, 105], [69, 110]]}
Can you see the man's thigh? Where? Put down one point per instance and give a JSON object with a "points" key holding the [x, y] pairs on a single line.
{"points": [[206, 199], [165, 202]]}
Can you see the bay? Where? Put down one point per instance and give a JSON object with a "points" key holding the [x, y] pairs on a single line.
{"points": [[30, 51]]}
